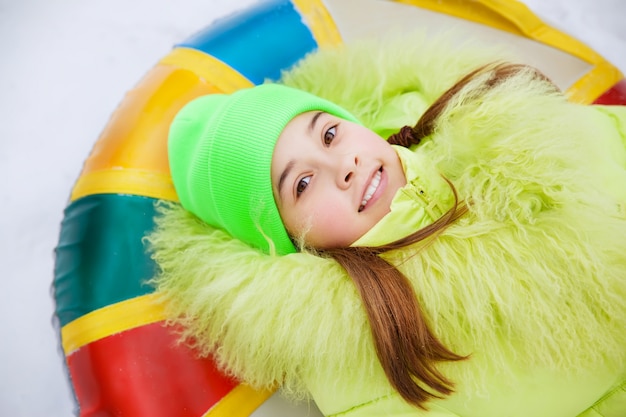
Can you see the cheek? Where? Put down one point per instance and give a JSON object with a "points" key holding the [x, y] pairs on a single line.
{"points": [[331, 226]]}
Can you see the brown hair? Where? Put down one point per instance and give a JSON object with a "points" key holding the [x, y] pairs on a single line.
{"points": [[406, 347]]}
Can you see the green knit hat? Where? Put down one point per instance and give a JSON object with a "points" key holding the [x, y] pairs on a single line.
{"points": [[220, 153]]}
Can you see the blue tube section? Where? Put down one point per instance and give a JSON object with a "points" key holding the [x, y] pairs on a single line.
{"points": [[258, 42]]}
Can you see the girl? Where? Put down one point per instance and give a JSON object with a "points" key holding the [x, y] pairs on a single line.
{"points": [[477, 267]]}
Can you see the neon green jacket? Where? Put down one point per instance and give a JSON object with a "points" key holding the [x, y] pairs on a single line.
{"points": [[531, 282]]}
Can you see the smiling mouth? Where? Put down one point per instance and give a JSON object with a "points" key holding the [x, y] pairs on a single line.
{"points": [[371, 189]]}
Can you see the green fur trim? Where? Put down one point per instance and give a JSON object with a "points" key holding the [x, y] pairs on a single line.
{"points": [[258, 314], [533, 277]]}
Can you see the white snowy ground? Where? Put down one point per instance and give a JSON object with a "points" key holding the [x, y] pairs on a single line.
{"points": [[64, 67]]}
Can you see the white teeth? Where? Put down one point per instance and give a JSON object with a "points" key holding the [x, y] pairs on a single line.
{"points": [[370, 189]]}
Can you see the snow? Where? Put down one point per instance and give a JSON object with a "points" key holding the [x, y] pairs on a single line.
{"points": [[65, 67]]}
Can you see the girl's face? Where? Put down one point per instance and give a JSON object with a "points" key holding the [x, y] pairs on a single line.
{"points": [[332, 179]]}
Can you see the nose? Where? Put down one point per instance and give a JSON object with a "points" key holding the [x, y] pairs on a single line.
{"points": [[346, 168]]}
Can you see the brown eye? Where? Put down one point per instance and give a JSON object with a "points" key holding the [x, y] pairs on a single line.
{"points": [[302, 184], [329, 135]]}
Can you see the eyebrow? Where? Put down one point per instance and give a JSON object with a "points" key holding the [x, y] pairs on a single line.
{"points": [[314, 120], [283, 176]]}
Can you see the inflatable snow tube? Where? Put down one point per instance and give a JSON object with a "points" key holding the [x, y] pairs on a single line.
{"points": [[120, 358]]}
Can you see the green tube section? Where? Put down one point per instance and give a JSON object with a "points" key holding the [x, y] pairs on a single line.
{"points": [[100, 257]]}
